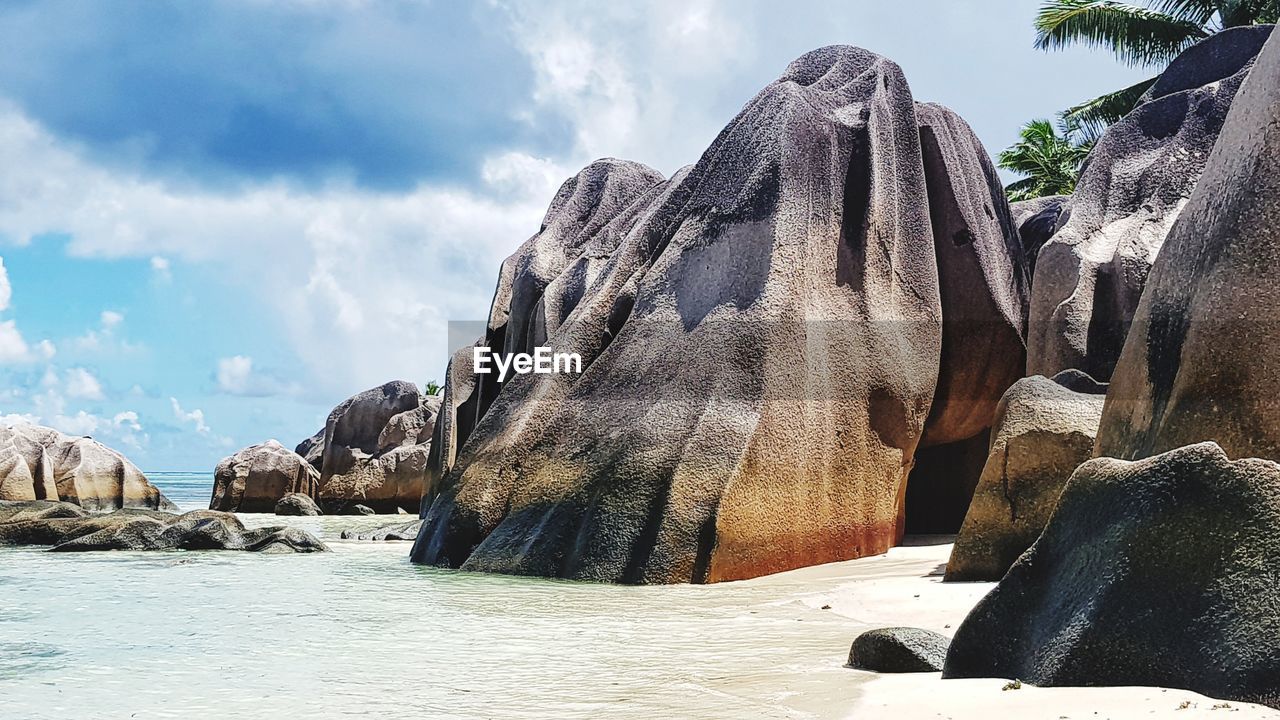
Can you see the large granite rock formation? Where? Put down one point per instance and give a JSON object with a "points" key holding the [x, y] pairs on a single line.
{"points": [[1158, 572], [1090, 275], [983, 285], [259, 476], [1201, 362], [761, 337], [69, 528], [1044, 429], [40, 463], [374, 450]]}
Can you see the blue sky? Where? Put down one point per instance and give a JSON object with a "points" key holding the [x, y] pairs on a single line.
{"points": [[217, 220]]}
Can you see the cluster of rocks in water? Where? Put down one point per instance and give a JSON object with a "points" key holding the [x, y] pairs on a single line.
{"points": [[68, 527], [369, 458]]}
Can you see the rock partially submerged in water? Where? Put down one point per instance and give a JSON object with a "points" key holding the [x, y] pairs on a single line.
{"points": [[1090, 275], [1044, 430], [69, 528], [256, 478], [297, 504], [40, 463], [374, 450], [899, 650], [1159, 572]]}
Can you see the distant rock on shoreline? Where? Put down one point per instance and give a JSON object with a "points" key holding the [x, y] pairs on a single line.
{"points": [[370, 457], [40, 463]]}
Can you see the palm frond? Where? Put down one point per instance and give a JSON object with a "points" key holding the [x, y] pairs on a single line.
{"points": [[1092, 117], [1137, 35], [1200, 12], [1234, 13]]}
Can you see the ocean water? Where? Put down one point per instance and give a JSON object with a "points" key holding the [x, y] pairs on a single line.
{"points": [[360, 632]]}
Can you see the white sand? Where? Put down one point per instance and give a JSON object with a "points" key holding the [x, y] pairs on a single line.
{"points": [[904, 587]]}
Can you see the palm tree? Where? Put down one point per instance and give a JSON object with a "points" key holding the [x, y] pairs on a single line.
{"points": [[1139, 36], [1048, 157]]}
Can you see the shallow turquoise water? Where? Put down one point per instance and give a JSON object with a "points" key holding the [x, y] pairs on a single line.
{"points": [[360, 632]]}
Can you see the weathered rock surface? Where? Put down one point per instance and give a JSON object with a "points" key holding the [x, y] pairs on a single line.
{"points": [[297, 504], [68, 528], [374, 448], [258, 477], [1044, 430], [1201, 362], [981, 276], [1090, 275], [899, 650], [705, 439], [40, 463], [1037, 220], [1158, 572], [983, 285], [312, 449]]}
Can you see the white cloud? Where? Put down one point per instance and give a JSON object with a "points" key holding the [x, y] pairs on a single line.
{"points": [[82, 385], [105, 338], [336, 267], [110, 319], [127, 419], [12, 347], [6, 290], [160, 267], [195, 417], [234, 374], [82, 423]]}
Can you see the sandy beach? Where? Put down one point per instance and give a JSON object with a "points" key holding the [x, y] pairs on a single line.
{"points": [[904, 587]]}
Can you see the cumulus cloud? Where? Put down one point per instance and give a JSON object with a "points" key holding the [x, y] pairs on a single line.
{"points": [[237, 375], [378, 274], [81, 384], [13, 348], [195, 418]]}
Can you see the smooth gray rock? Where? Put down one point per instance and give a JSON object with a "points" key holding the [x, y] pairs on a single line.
{"points": [[297, 504], [899, 650], [1159, 572]]}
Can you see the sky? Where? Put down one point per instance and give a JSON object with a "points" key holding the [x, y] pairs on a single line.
{"points": [[218, 220]]}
